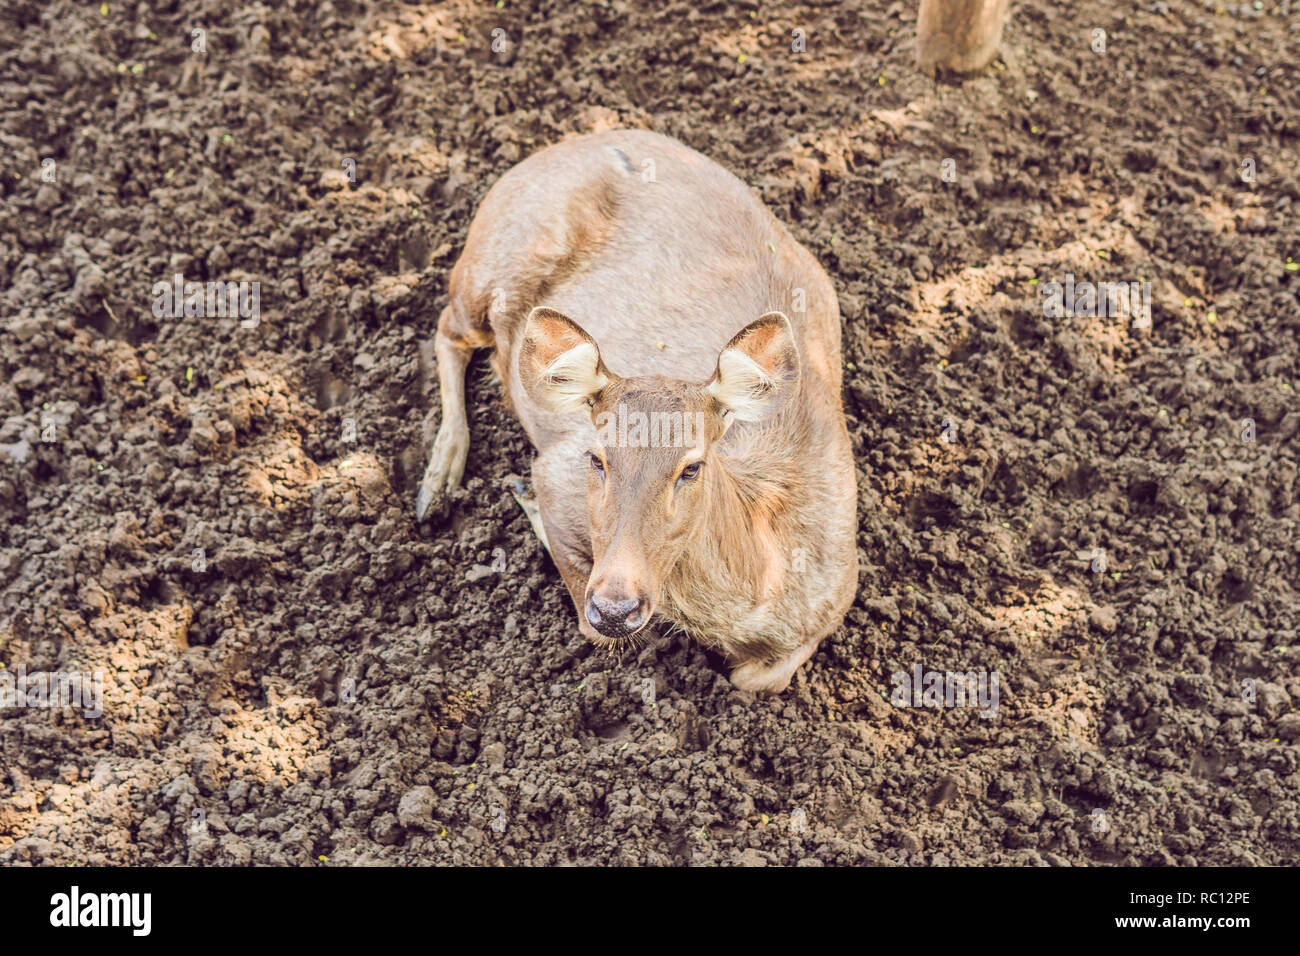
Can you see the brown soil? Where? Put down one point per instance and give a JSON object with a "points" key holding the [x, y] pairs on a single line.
{"points": [[484, 729]]}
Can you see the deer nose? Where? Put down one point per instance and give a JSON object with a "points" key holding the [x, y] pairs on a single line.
{"points": [[615, 616]]}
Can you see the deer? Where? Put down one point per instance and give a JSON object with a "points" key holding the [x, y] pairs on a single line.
{"points": [[958, 36], [674, 356]]}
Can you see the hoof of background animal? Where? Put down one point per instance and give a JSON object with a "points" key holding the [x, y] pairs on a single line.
{"points": [[761, 677], [445, 468], [958, 36]]}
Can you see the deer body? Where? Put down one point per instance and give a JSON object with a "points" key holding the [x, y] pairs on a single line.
{"points": [[623, 277]]}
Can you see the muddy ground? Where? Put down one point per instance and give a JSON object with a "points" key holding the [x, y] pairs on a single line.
{"points": [[295, 673]]}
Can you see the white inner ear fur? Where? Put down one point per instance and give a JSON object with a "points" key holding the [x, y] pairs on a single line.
{"points": [[573, 377], [742, 386]]}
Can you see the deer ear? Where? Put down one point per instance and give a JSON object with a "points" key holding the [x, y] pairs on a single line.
{"points": [[559, 363], [758, 369]]}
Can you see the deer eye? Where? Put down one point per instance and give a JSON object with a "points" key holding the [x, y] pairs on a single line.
{"points": [[690, 471]]}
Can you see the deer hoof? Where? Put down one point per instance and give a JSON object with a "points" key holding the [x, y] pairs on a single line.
{"points": [[761, 677], [528, 503], [445, 468]]}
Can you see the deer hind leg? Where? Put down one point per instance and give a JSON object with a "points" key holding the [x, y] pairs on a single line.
{"points": [[772, 677], [458, 336], [958, 36]]}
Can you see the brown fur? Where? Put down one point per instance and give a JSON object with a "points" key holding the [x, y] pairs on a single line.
{"points": [[660, 277], [958, 36]]}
